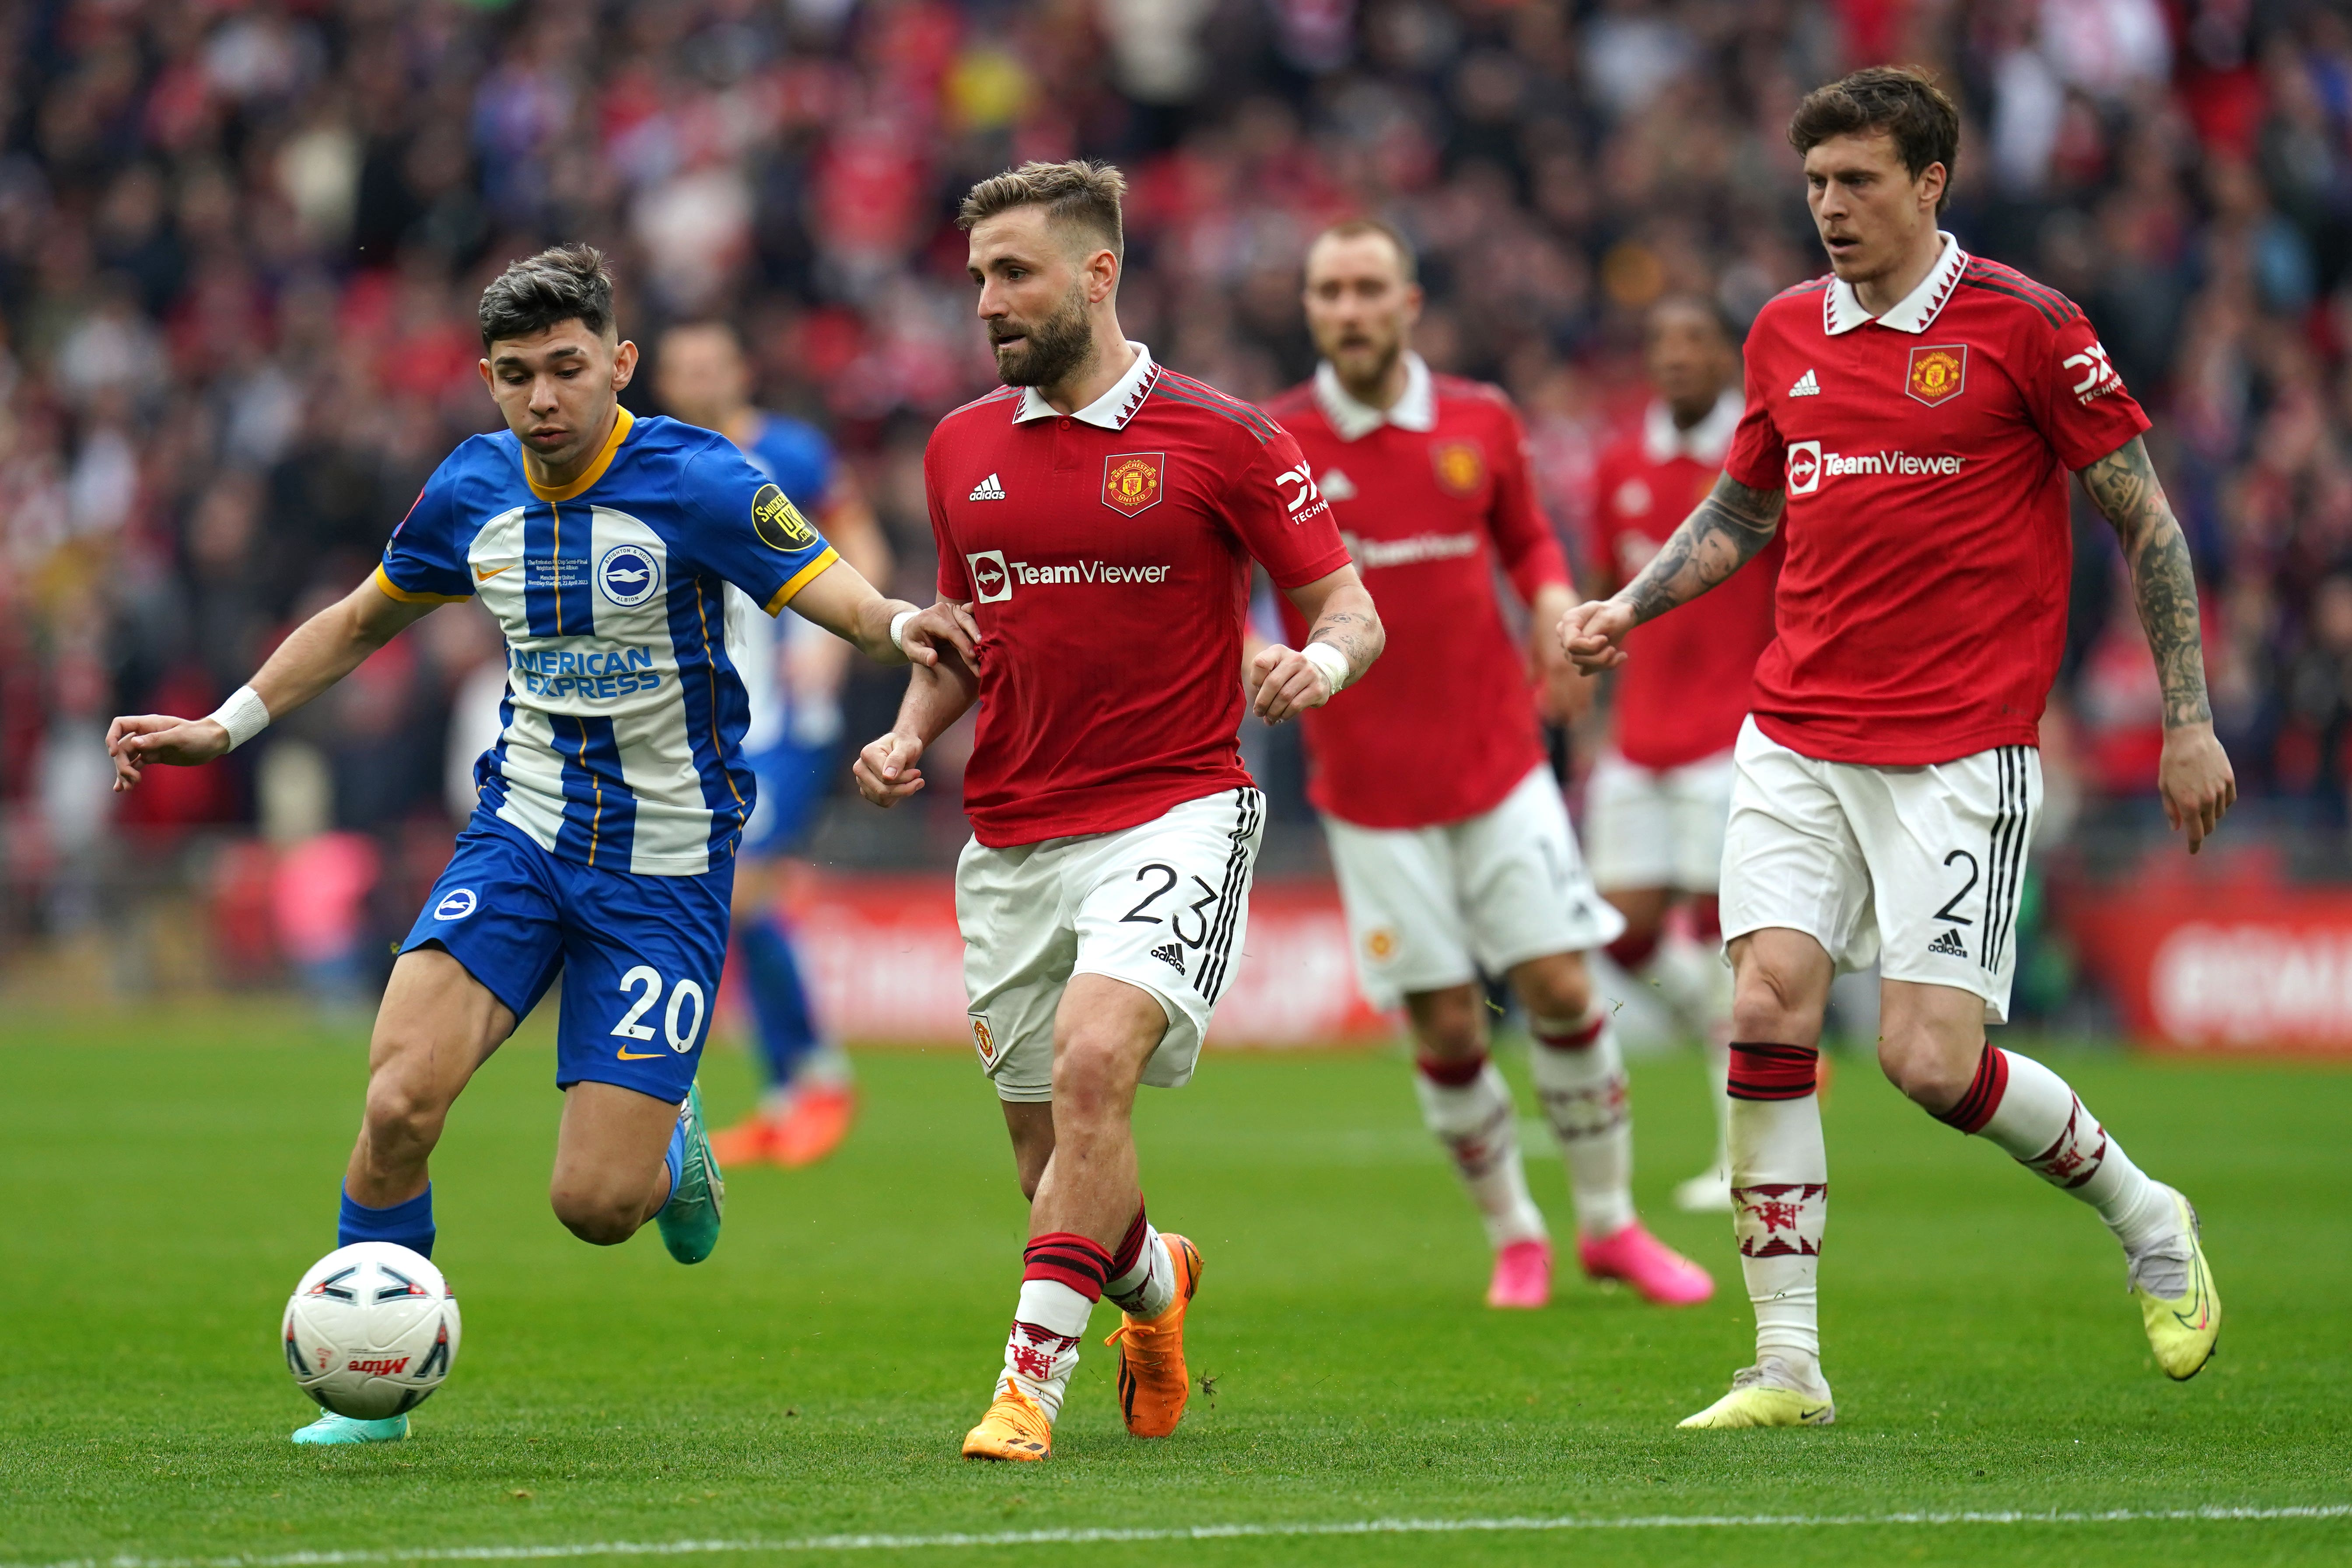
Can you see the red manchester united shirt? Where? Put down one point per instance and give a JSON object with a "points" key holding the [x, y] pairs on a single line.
{"points": [[1926, 456], [1105, 556], [1429, 496]]}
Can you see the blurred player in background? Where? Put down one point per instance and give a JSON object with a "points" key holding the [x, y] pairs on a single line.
{"points": [[1914, 415], [1452, 844], [601, 843], [793, 674], [1659, 793], [1095, 520]]}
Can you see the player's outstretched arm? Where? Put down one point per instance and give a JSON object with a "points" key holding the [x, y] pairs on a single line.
{"points": [[1344, 639], [1720, 536], [888, 631], [2193, 774], [317, 654], [938, 694]]}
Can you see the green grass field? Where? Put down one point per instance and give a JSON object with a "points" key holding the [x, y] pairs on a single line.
{"points": [[171, 1175]]}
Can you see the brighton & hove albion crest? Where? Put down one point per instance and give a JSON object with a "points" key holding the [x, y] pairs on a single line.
{"points": [[628, 574], [1937, 372], [1460, 465], [779, 522], [1131, 481]]}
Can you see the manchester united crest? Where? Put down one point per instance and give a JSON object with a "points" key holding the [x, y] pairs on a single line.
{"points": [[983, 1041], [1461, 466], [1131, 481], [1937, 372]]}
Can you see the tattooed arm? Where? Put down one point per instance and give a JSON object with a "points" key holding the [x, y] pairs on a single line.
{"points": [[1283, 682], [1719, 537], [2193, 774]]}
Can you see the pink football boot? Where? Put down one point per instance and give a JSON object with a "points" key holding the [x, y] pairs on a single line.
{"points": [[1522, 1276], [1647, 1264]]}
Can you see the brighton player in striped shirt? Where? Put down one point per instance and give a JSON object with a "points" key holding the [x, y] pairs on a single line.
{"points": [[603, 844], [1911, 421]]}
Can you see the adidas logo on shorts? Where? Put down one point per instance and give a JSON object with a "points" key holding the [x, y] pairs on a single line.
{"points": [[987, 489], [1170, 954], [1949, 944]]}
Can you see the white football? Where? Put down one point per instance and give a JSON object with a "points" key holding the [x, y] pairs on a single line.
{"points": [[372, 1330]]}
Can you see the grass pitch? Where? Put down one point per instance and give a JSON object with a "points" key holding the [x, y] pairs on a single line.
{"points": [[172, 1175]]}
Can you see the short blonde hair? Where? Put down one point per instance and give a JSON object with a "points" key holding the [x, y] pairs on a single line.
{"points": [[1408, 264], [1079, 192]]}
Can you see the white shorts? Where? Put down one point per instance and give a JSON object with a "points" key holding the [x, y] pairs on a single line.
{"points": [[1431, 908], [1657, 827], [1163, 905], [1919, 868]]}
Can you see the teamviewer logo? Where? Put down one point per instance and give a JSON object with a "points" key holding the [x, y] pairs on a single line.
{"points": [[992, 583], [1804, 467]]}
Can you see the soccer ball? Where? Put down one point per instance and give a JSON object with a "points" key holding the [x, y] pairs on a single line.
{"points": [[370, 1331]]}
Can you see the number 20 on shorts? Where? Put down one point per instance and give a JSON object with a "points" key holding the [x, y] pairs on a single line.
{"points": [[679, 1029]]}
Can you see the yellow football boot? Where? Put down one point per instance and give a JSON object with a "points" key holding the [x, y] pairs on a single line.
{"points": [[1015, 1428], [2181, 1330], [1153, 1383], [1753, 1403]]}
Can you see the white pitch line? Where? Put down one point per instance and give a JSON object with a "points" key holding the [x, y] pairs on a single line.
{"points": [[1104, 1537]]}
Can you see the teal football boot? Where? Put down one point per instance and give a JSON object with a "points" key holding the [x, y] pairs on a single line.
{"points": [[690, 1220], [331, 1428]]}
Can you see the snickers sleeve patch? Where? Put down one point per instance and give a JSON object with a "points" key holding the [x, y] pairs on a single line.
{"points": [[751, 533]]}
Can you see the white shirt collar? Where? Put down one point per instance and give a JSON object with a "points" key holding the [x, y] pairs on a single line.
{"points": [[1705, 442], [1112, 410], [1916, 312], [1416, 410]]}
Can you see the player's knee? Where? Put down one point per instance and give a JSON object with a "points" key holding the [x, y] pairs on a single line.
{"points": [[1561, 990], [1088, 1071], [1914, 1061], [399, 1118], [598, 1217], [1769, 1004]]}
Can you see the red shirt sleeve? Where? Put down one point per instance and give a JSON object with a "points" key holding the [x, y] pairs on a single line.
{"points": [[1759, 459], [955, 575], [2078, 399], [1530, 551], [1282, 519]]}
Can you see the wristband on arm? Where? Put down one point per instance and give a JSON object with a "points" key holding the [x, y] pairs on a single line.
{"points": [[899, 629], [244, 715], [1331, 661]]}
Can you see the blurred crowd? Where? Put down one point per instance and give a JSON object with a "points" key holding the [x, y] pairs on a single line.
{"points": [[240, 242]]}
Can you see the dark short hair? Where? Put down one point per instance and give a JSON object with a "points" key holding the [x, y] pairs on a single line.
{"points": [[1407, 262], [561, 283], [1718, 314], [1902, 101], [1079, 192]]}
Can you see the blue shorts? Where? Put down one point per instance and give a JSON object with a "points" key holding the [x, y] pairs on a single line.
{"points": [[794, 780], [640, 956]]}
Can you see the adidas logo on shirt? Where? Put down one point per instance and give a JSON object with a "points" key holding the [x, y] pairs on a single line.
{"points": [[987, 489], [1336, 486], [1949, 944], [1806, 385], [1169, 953]]}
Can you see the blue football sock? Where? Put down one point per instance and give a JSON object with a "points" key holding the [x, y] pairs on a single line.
{"points": [[410, 1224], [779, 1000], [675, 1157]]}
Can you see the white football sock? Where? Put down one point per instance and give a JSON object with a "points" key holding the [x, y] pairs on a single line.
{"points": [[2039, 1122], [1779, 1201], [1479, 1125], [1580, 1077], [1148, 1289], [1043, 1349]]}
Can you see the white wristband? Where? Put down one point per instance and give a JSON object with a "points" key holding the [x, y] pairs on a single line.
{"points": [[244, 715], [899, 629], [1329, 661]]}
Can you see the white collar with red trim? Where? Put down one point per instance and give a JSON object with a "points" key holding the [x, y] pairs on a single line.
{"points": [[1112, 410], [1353, 420], [1705, 442], [1914, 313]]}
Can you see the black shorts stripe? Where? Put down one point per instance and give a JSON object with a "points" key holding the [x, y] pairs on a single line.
{"points": [[2005, 855], [1216, 956]]}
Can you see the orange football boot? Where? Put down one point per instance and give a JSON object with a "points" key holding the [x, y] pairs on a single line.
{"points": [[813, 1127], [1152, 1382], [1015, 1428], [751, 1141]]}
